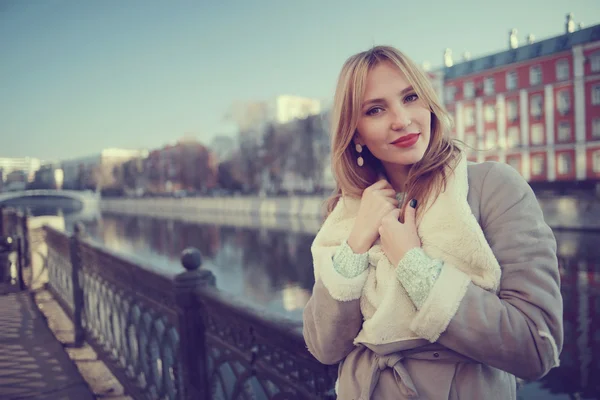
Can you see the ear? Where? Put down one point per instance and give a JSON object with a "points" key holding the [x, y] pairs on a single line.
{"points": [[357, 139]]}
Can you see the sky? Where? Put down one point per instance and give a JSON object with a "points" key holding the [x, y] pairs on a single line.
{"points": [[78, 76]]}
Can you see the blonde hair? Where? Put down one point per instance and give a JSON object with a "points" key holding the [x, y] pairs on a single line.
{"points": [[426, 178]]}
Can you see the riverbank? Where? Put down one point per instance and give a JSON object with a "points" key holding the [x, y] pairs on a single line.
{"points": [[306, 213]]}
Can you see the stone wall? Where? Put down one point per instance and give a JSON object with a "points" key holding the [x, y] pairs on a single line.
{"points": [[559, 212]]}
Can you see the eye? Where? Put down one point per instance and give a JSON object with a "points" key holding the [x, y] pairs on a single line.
{"points": [[374, 110], [411, 98]]}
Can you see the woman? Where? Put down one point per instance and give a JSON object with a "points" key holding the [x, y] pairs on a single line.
{"points": [[434, 278]]}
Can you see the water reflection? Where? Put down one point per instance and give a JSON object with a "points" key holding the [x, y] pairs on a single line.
{"points": [[273, 269]]}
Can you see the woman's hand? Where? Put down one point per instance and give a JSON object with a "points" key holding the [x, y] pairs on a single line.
{"points": [[398, 238], [377, 201]]}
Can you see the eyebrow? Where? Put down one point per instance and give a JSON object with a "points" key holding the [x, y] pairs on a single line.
{"points": [[381, 100]]}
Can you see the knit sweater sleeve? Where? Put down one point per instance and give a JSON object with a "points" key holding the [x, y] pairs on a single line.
{"points": [[417, 272], [349, 264]]}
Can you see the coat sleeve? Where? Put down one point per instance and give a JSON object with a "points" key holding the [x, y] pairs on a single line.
{"points": [[520, 329], [332, 316], [330, 326]]}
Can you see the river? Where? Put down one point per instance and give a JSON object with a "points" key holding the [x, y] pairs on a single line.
{"points": [[273, 269]]}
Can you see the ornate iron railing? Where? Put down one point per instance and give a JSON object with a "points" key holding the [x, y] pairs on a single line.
{"points": [[253, 355], [179, 337], [60, 270]]}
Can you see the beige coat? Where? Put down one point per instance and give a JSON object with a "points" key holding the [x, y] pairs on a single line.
{"points": [[491, 336]]}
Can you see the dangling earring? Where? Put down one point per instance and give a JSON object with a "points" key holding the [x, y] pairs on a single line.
{"points": [[360, 161]]}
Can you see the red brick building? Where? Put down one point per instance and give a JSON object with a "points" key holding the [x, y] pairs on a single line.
{"points": [[535, 107]]}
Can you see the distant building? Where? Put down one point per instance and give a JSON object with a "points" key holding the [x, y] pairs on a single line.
{"points": [[16, 180], [288, 108], [187, 165], [96, 171], [27, 164], [535, 106], [49, 176]]}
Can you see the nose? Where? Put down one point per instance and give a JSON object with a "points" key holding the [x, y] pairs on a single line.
{"points": [[401, 118]]}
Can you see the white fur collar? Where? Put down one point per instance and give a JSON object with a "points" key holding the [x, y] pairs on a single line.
{"points": [[448, 231]]}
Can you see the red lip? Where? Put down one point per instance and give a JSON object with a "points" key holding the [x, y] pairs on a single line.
{"points": [[406, 140]]}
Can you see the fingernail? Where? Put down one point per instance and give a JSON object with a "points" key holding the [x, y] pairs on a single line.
{"points": [[413, 203]]}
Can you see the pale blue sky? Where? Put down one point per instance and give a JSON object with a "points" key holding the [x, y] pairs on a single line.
{"points": [[77, 76]]}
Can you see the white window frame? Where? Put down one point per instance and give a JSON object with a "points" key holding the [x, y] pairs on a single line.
{"points": [[512, 110], [512, 80], [562, 69], [491, 139], [489, 86], [564, 163], [565, 133], [535, 75], [536, 106], [469, 116], [596, 95], [537, 134], [596, 161], [596, 128], [489, 113], [595, 61], [469, 89], [537, 164], [563, 102], [513, 137]]}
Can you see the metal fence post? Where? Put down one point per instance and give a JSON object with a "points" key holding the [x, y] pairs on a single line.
{"points": [[75, 249], [192, 346], [1, 220], [25, 232]]}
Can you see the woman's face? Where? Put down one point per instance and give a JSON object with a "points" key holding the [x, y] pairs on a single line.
{"points": [[394, 124]]}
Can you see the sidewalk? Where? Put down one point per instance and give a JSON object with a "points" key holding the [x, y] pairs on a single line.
{"points": [[33, 363]]}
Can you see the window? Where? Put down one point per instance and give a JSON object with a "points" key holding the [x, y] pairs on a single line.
{"points": [[564, 131], [513, 137], [490, 139], [536, 105], [595, 61], [512, 80], [469, 116], [535, 75], [450, 94], [537, 134], [563, 102], [565, 163], [488, 86], [596, 161], [469, 89], [596, 128], [537, 164], [562, 70], [512, 110], [596, 95], [489, 113]]}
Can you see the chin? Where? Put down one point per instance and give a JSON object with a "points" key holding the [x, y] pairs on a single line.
{"points": [[410, 158]]}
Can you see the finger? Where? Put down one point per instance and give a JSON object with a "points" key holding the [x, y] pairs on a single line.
{"points": [[392, 201], [381, 184], [392, 216], [410, 213], [387, 192], [395, 214]]}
